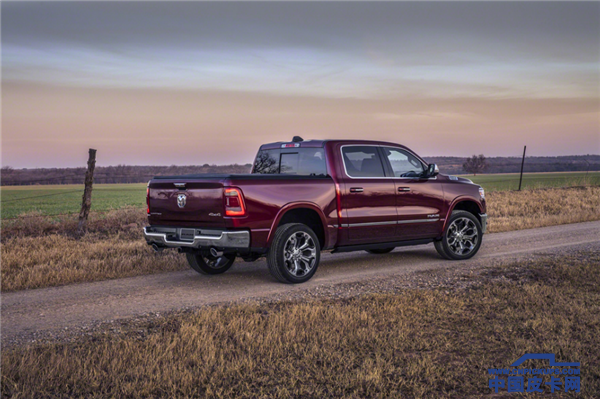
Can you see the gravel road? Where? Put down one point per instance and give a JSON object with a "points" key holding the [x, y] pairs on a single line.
{"points": [[31, 312]]}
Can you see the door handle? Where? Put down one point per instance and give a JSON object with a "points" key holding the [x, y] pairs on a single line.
{"points": [[403, 189], [356, 190]]}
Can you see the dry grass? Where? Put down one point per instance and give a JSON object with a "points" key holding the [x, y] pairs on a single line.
{"points": [[57, 260], [41, 252], [518, 210], [125, 221], [416, 343]]}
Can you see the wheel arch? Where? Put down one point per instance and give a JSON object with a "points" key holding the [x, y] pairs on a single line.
{"points": [[464, 203], [301, 212]]}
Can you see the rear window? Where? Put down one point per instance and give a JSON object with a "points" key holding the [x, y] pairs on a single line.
{"points": [[293, 161]]}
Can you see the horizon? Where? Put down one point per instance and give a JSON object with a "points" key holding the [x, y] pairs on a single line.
{"points": [[518, 158], [195, 83]]}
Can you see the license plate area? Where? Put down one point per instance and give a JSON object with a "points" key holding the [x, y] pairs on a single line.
{"points": [[187, 234]]}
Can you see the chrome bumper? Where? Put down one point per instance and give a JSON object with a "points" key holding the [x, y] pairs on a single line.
{"points": [[483, 217], [226, 239]]}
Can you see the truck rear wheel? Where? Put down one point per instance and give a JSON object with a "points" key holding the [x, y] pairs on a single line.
{"points": [[294, 254], [205, 263], [462, 237]]}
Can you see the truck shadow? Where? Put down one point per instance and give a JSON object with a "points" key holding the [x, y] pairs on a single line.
{"points": [[334, 264]]}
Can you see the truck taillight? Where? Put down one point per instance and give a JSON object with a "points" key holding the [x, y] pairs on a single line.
{"points": [[234, 202], [148, 200]]}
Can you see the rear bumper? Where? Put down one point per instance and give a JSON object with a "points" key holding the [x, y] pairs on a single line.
{"points": [[483, 217], [166, 237]]}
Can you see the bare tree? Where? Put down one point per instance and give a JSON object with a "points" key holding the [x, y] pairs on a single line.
{"points": [[7, 170], [475, 164], [265, 163]]}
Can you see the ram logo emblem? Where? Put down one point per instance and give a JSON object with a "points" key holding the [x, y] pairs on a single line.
{"points": [[181, 200]]}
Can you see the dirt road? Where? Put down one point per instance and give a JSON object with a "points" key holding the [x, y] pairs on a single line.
{"points": [[65, 307]]}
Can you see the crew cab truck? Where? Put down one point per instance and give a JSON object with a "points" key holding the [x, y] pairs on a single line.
{"points": [[303, 197]]}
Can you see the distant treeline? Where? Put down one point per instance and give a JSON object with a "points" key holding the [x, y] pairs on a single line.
{"points": [[571, 163], [141, 174], [109, 174]]}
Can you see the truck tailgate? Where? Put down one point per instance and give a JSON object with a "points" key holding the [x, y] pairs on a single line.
{"points": [[190, 202]]}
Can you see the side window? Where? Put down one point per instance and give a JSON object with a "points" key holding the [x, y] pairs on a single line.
{"points": [[403, 163], [362, 161]]}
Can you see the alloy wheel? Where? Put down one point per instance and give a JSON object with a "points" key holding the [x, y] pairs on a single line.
{"points": [[299, 254], [462, 236]]}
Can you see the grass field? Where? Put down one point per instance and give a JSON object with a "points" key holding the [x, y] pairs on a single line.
{"points": [[410, 343], [510, 181], [65, 199]]}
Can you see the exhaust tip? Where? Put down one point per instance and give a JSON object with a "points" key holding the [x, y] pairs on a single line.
{"points": [[214, 252], [156, 248]]}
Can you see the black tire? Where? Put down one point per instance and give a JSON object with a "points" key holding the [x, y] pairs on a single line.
{"points": [[379, 251], [205, 263], [287, 263], [462, 237], [440, 249]]}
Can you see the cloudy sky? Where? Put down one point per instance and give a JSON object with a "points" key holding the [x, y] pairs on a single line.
{"points": [[194, 83]]}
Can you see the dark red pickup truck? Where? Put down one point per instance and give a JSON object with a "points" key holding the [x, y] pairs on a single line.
{"points": [[303, 197]]}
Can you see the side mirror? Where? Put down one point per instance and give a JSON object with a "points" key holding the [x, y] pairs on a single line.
{"points": [[432, 170]]}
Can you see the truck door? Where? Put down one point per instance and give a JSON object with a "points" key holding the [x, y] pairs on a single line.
{"points": [[369, 198], [419, 201]]}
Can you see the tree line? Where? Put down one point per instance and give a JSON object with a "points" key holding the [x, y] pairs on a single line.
{"points": [[110, 174], [533, 164], [141, 174]]}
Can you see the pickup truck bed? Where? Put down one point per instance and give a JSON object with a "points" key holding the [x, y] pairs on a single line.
{"points": [[264, 199]]}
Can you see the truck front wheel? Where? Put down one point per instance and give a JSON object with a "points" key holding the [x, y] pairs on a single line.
{"points": [[205, 263], [462, 237], [294, 254]]}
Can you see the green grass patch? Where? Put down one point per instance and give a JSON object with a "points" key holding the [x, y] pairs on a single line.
{"points": [[510, 181], [66, 199]]}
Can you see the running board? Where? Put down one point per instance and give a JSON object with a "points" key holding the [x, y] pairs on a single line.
{"points": [[382, 245]]}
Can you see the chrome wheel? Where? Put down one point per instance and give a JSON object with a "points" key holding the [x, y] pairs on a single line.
{"points": [[299, 254], [462, 236], [294, 254]]}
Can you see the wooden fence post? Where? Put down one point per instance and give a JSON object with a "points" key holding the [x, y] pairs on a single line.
{"points": [[86, 202], [522, 164]]}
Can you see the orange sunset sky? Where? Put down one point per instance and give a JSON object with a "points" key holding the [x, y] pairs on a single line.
{"points": [[192, 83]]}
